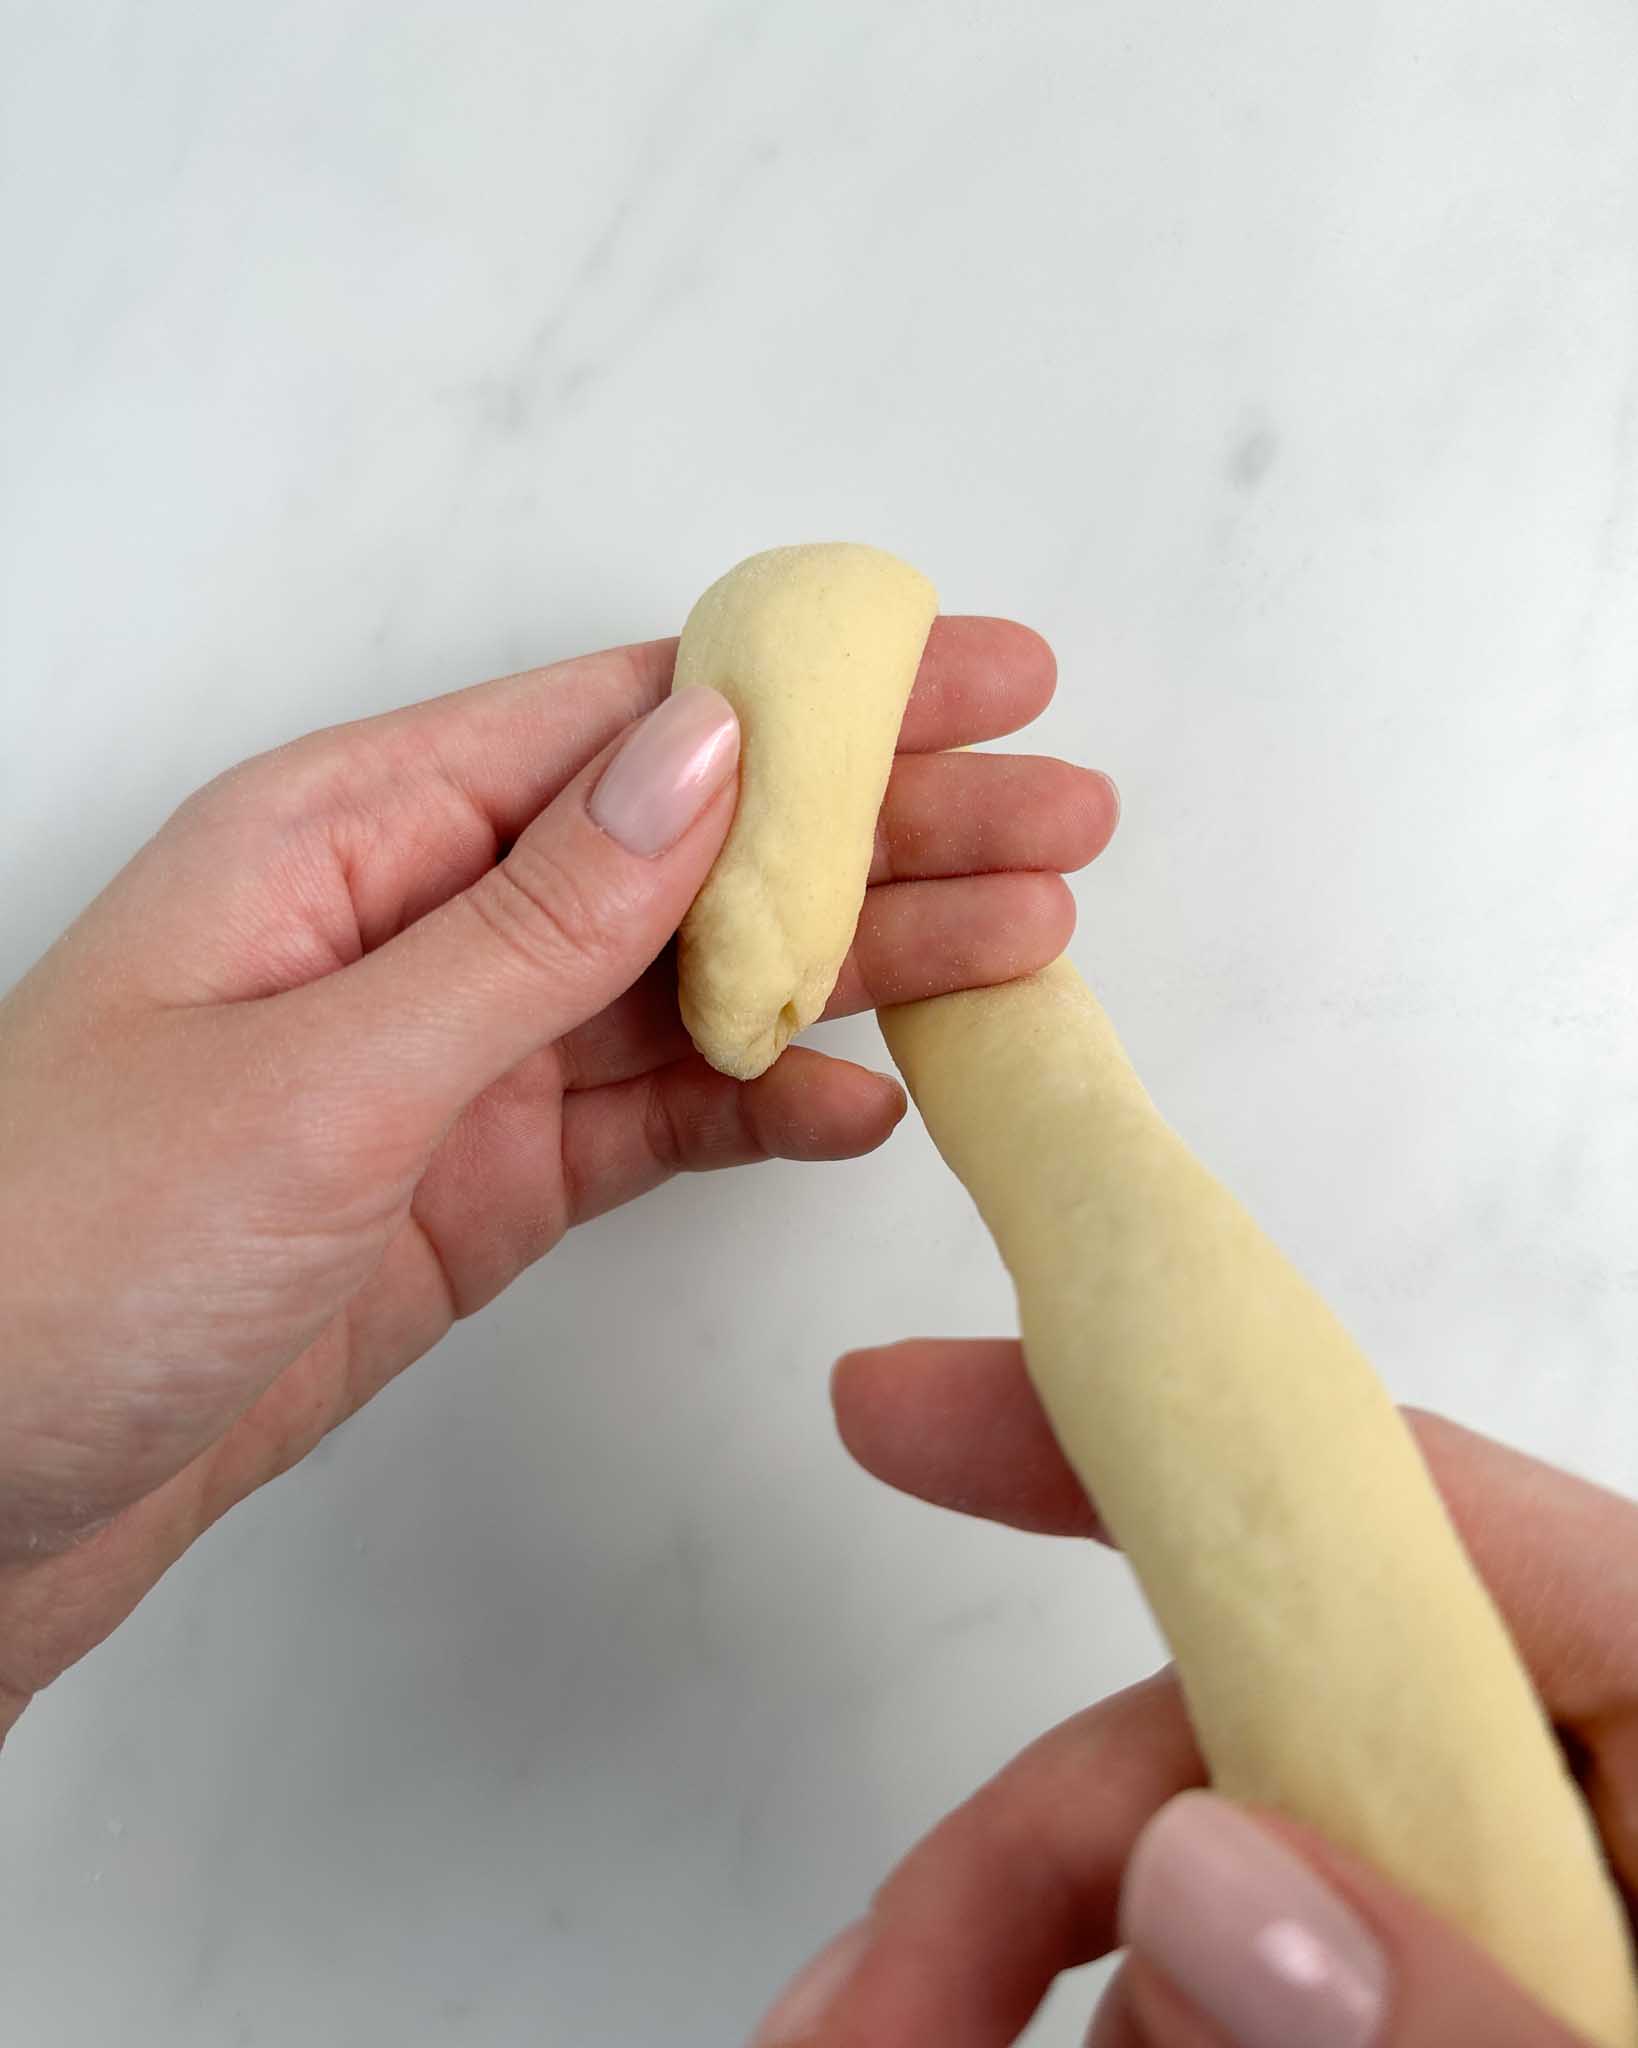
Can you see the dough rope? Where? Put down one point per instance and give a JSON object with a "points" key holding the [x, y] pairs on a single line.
{"points": [[1341, 1660]]}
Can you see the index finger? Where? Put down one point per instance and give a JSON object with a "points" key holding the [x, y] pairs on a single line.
{"points": [[979, 680], [957, 1422], [507, 746]]}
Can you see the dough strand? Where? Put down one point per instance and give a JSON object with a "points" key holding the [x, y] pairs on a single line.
{"points": [[1341, 1660]]}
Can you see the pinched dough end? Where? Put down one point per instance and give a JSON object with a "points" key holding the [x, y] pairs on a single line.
{"points": [[816, 648], [742, 1008]]}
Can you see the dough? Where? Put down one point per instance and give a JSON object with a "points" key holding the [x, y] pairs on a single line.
{"points": [[1341, 1660], [816, 649]]}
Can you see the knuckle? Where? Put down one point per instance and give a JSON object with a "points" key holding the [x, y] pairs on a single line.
{"points": [[225, 800], [541, 910], [281, 787], [662, 1133], [694, 1123]]}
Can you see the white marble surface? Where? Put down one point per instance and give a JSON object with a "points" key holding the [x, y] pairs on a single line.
{"points": [[1281, 363]]}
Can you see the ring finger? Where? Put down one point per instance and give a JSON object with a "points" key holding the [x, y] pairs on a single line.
{"points": [[914, 939]]}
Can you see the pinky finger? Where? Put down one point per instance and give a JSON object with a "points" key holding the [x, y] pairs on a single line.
{"points": [[619, 1141]]}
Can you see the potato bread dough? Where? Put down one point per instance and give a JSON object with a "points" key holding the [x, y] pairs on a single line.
{"points": [[1341, 1660], [816, 649]]}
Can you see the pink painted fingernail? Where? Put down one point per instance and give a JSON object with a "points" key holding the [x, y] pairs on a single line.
{"points": [[801, 2010], [1260, 1943], [669, 769]]}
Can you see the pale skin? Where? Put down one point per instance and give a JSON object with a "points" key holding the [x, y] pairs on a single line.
{"points": [[371, 1023], [377, 1018], [1026, 1879]]}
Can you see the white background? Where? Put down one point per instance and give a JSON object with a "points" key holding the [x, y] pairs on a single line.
{"points": [[1280, 362]]}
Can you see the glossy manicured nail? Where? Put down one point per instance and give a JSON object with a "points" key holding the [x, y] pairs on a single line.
{"points": [[1264, 1947], [801, 2009], [667, 772]]}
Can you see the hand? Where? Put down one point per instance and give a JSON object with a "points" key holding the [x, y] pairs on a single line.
{"points": [[372, 1022], [1242, 1931]]}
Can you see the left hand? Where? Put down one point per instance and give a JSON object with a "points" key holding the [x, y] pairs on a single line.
{"points": [[372, 1022], [1242, 1930]]}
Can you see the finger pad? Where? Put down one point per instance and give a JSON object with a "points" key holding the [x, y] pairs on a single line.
{"points": [[957, 1424], [808, 1106]]}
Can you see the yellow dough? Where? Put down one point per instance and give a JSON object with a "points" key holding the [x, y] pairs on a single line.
{"points": [[1341, 1660], [816, 649]]}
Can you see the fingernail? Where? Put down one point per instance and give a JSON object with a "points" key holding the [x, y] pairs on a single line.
{"points": [[667, 772], [1247, 1931], [801, 2009], [1114, 791]]}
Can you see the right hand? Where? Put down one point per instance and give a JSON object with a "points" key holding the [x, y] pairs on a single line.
{"points": [[1084, 1844]]}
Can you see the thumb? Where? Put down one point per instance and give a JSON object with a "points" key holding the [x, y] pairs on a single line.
{"points": [[549, 936], [1245, 1933]]}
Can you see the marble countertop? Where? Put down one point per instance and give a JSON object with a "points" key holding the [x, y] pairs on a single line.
{"points": [[1281, 364]]}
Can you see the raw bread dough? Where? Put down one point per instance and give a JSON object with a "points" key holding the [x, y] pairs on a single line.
{"points": [[816, 649], [1341, 1660]]}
